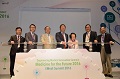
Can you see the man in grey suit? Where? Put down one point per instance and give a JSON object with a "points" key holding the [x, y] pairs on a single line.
{"points": [[31, 38]]}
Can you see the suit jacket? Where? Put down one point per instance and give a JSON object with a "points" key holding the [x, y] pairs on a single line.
{"points": [[14, 47], [107, 39], [45, 38], [28, 37], [59, 38], [93, 36]]}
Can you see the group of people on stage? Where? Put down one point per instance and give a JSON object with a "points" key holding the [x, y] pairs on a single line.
{"points": [[100, 43]]}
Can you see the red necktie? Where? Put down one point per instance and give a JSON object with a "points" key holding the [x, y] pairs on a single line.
{"points": [[63, 39]]}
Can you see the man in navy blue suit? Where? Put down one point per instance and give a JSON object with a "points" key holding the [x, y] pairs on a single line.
{"points": [[62, 37]]}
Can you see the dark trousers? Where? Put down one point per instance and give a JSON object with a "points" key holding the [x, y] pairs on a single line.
{"points": [[93, 48], [87, 47], [12, 62]]}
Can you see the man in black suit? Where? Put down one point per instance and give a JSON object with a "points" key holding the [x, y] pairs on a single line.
{"points": [[31, 38], [15, 41], [105, 41], [88, 38], [62, 37]]}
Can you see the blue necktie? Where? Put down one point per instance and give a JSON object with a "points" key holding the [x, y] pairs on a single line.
{"points": [[102, 38]]}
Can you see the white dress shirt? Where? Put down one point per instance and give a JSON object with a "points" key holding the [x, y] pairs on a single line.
{"points": [[87, 39]]}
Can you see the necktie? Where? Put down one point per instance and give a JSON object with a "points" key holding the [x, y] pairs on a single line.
{"points": [[63, 36], [49, 39], [33, 36], [18, 39], [64, 39], [102, 38]]}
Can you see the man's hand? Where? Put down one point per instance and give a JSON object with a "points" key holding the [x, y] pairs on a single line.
{"points": [[45, 43], [95, 41], [111, 42], [64, 43], [12, 42], [30, 42]]}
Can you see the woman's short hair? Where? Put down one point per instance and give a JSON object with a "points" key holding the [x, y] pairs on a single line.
{"points": [[71, 35]]}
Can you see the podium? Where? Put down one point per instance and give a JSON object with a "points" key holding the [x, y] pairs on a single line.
{"points": [[58, 64]]}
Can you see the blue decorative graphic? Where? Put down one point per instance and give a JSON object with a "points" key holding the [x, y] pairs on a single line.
{"points": [[112, 4], [110, 18], [103, 25], [36, 73], [118, 11], [104, 8], [119, 1], [117, 28], [118, 8]]}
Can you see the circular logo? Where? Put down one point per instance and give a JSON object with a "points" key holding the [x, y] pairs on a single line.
{"points": [[103, 8], [103, 25], [36, 72], [119, 1], [109, 17], [4, 59], [117, 28], [112, 3], [118, 8]]}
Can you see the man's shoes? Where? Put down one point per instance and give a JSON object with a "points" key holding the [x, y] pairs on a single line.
{"points": [[12, 75], [109, 75], [106, 75]]}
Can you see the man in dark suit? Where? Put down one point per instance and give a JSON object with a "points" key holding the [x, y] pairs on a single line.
{"points": [[15, 41], [104, 41], [31, 38], [62, 37], [88, 38]]}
